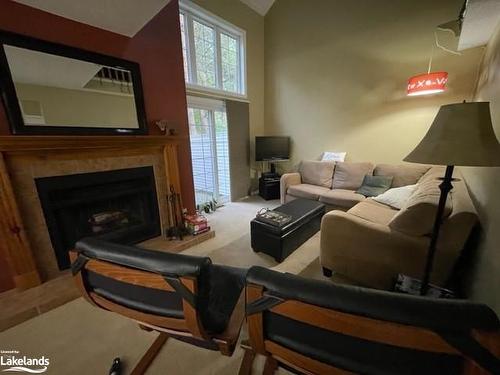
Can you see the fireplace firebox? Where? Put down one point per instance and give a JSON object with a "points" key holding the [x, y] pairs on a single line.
{"points": [[119, 206]]}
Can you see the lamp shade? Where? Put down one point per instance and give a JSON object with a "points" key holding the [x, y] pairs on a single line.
{"points": [[428, 83], [461, 134]]}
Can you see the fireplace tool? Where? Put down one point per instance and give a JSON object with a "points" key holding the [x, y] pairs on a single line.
{"points": [[175, 211]]}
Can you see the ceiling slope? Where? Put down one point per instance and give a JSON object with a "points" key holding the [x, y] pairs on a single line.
{"points": [[125, 17]]}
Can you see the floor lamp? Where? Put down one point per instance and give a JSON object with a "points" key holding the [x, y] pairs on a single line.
{"points": [[461, 134]]}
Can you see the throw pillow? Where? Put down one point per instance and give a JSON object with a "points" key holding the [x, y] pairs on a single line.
{"points": [[396, 197], [333, 156], [349, 176], [374, 185], [318, 173]]}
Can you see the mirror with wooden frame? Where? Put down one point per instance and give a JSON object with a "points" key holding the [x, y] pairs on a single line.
{"points": [[48, 88]]}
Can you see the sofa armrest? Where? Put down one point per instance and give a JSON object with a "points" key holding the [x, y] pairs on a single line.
{"points": [[367, 252], [287, 180]]}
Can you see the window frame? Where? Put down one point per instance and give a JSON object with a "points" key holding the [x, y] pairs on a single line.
{"points": [[192, 12]]}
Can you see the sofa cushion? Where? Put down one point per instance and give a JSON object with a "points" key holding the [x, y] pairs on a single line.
{"points": [[341, 198], [307, 191], [416, 217], [373, 211], [406, 174], [374, 185], [350, 175], [317, 172]]}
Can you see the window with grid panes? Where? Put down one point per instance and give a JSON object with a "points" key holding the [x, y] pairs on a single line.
{"points": [[213, 52]]}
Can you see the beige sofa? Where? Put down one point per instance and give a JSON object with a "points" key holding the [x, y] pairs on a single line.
{"points": [[368, 243]]}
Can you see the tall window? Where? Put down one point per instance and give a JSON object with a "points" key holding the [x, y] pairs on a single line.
{"points": [[209, 150], [213, 52]]}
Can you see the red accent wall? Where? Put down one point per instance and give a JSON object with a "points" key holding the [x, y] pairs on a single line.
{"points": [[157, 48]]}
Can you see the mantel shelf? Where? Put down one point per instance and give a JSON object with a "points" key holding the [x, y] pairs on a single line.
{"points": [[14, 143]]}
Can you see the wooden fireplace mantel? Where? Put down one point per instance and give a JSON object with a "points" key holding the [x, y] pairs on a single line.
{"points": [[14, 239], [42, 142]]}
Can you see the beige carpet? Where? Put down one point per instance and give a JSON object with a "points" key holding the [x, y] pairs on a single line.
{"points": [[80, 339], [231, 244]]}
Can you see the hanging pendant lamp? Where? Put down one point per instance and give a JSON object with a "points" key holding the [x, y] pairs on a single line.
{"points": [[430, 82], [427, 83]]}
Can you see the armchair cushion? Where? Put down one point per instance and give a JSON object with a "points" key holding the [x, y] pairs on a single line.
{"points": [[350, 175], [166, 264], [147, 300], [307, 191], [318, 173], [351, 353], [438, 314], [341, 198]]}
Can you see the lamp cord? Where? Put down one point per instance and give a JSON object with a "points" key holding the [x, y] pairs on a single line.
{"points": [[430, 59]]}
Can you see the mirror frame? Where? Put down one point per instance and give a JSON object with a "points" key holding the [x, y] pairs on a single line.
{"points": [[11, 103]]}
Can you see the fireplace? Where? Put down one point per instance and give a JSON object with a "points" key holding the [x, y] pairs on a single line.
{"points": [[119, 206]]}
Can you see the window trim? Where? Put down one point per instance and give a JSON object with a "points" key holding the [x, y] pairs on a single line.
{"points": [[191, 12]]}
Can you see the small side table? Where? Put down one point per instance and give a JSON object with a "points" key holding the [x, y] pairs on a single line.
{"points": [[269, 188]]}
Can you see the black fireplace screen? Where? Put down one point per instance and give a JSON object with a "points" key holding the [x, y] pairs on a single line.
{"points": [[119, 206]]}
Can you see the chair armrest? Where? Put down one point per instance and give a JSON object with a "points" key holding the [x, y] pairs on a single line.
{"points": [[229, 337], [287, 180]]}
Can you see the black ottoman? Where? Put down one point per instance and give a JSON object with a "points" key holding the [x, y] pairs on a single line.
{"points": [[281, 242]]}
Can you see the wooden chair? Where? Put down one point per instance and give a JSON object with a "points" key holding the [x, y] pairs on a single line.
{"points": [[179, 296], [316, 327]]}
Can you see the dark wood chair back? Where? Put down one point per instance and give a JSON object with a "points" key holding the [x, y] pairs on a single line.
{"points": [[174, 294], [318, 327]]}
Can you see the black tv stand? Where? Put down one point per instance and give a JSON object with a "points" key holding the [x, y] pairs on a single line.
{"points": [[269, 186]]}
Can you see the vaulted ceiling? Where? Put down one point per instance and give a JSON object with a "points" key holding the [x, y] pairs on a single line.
{"points": [[260, 6], [124, 17], [127, 17]]}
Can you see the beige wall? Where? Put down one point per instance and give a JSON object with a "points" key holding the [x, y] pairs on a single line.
{"points": [[484, 186], [336, 73], [245, 18], [66, 107], [335, 79]]}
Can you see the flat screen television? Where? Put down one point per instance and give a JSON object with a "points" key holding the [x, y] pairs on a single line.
{"points": [[272, 148]]}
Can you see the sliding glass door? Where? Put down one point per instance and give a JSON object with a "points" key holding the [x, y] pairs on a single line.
{"points": [[209, 150]]}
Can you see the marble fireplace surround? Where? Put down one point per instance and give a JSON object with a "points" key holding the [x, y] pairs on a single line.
{"points": [[27, 242]]}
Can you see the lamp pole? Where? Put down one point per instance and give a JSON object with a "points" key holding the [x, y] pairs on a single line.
{"points": [[445, 188]]}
